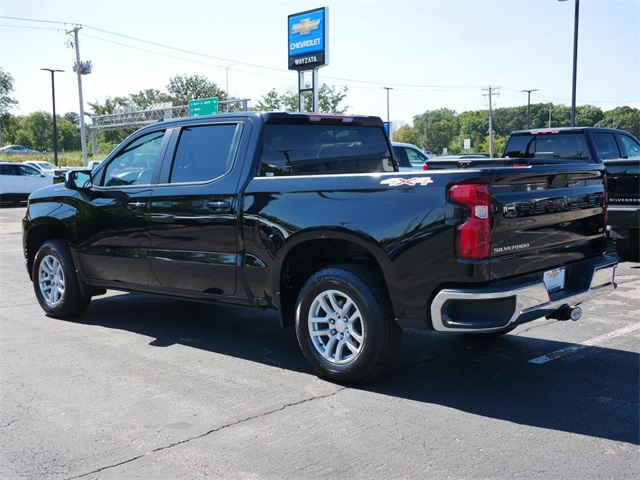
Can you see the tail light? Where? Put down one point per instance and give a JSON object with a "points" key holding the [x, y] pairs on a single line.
{"points": [[473, 236]]}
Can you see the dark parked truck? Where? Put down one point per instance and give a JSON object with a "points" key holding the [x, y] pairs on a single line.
{"points": [[309, 215], [618, 150]]}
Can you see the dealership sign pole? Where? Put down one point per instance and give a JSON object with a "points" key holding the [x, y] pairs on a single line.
{"points": [[308, 49]]}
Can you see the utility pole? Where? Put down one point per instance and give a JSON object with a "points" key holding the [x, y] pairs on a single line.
{"points": [[490, 92], [387, 89], [529, 105], [55, 125], [576, 17], [82, 68], [228, 95]]}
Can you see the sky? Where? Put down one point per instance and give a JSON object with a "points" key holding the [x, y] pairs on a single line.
{"points": [[432, 53]]}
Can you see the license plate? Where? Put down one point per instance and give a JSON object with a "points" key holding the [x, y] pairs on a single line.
{"points": [[554, 279]]}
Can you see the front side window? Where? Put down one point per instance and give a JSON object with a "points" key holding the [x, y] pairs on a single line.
{"points": [[28, 171], [324, 149], [203, 153], [416, 158], [134, 164], [631, 147]]}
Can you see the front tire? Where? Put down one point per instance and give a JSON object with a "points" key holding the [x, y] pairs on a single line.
{"points": [[345, 324], [55, 281]]}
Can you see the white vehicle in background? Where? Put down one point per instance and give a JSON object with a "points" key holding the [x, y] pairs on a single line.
{"points": [[46, 168], [18, 181]]}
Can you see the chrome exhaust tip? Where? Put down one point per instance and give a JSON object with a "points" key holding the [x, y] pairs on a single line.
{"points": [[567, 313]]}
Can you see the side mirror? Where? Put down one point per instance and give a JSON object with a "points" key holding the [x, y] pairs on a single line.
{"points": [[78, 180]]}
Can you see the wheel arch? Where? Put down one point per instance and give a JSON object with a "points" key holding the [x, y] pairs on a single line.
{"points": [[307, 252], [38, 233]]}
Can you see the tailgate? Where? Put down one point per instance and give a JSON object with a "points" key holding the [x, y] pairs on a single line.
{"points": [[546, 216], [624, 182]]}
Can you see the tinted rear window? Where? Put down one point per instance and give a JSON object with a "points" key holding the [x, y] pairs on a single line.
{"points": [[324, 150], [557, 145]]}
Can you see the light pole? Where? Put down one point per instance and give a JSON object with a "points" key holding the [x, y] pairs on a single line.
{"points": [[55, 125], [387, 89], [529, 104], [575, 61], [228, 67]]}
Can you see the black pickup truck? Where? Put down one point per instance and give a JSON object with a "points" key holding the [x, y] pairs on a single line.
{"points": [[309, 215], [618, 150]]}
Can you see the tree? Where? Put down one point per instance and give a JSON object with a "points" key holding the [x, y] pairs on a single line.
{"points": [[406, 134], [474, 125], [436, 129], [588, 116], [35, 131], [329, 100], [6, 87], [624, 118], [72, 117], [68, 132], [146, 99], [270, 102], [183, 88], [499, 142], [108, 139], [6, 102]]}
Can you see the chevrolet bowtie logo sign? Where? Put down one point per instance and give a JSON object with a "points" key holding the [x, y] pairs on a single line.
{"points": [[305, 26]]}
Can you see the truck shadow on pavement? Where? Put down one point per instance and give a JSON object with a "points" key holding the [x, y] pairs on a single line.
{"points": [[592, 392]]}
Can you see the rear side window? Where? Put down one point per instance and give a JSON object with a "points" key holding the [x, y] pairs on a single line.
{"points": [[9, 169], [203, 153], [324, 150], [607, 146], [557, 145]]}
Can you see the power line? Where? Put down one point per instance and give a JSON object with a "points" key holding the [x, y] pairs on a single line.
{"points": [[190, 52], [35, 20], [33, 28]]}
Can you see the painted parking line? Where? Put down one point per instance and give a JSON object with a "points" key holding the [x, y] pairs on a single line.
{"points": [[594, 342]]}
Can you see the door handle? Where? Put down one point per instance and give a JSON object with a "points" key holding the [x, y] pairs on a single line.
{"points": [[219, 206], [137, 206]]}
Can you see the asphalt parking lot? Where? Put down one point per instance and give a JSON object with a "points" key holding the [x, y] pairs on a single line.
{"points": [[150, 387]]}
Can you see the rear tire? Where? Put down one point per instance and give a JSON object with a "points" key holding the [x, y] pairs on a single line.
{"points": [[55, 281], [345, 324]]}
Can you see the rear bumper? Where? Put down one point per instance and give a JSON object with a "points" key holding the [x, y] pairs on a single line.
{"points": [[511, 302], [621, 219]]}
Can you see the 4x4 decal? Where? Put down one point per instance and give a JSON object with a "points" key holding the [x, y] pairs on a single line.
{"points": [[409, 182]]}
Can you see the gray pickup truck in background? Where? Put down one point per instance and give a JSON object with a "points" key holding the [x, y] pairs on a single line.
{"points": [[618, 150]]}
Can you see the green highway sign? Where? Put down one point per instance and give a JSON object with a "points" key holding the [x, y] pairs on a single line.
{"points": [[204, 106]]}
